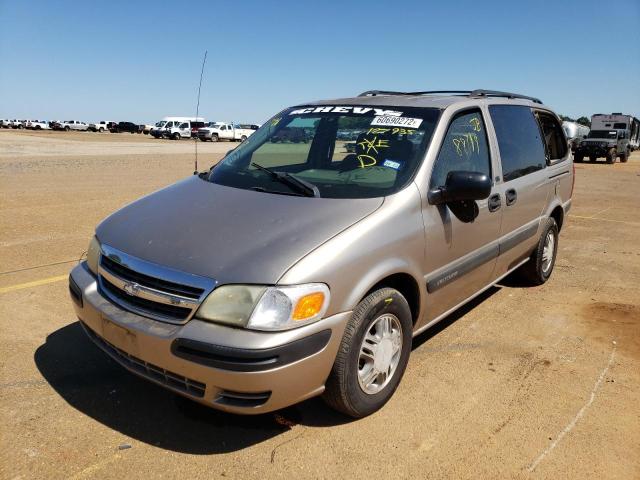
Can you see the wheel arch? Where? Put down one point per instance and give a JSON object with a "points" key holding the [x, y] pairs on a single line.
{"points": [[558, 215], [407, 285]]}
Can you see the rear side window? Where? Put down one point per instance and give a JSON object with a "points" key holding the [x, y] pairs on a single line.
{"points": [[521, 148], [554, 140], [464, 148]]}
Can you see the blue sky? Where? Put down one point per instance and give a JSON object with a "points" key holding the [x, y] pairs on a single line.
{"points": [[139, 61]]}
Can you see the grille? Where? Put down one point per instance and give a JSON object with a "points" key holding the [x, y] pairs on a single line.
{"points": [[148, 370], [154, 308], [159, 284], [149, 289]]}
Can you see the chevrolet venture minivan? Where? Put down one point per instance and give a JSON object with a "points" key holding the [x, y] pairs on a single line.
{"points": [[295, 269]]}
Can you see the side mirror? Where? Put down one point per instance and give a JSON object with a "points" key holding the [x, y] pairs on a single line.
{"points": [[461, 186]]}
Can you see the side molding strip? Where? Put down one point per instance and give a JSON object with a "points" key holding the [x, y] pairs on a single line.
{"points": [[513, 240], [457, 270], [462, 268]]}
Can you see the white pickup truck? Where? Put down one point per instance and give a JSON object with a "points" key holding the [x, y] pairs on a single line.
{"points": [[67, 125], [101, 126], [215, 131]]}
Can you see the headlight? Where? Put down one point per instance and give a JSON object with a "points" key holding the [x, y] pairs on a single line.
{"points": [[266, 308], [93, 255]]}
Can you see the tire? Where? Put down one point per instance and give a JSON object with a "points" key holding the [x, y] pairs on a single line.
{"points": [[66, 129], [202, 139], [592, 158], [345, 390], [578, 158], [38, 127], [243, 138], [624, 158], [176, 136], [101, 130], [540, 266], [214, 137], [611, 155]]}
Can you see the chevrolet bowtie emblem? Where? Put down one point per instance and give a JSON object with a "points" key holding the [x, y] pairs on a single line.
{"points": [[131, 289]]}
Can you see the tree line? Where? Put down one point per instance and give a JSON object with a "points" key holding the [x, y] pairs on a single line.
{"points": [[582, 120]]}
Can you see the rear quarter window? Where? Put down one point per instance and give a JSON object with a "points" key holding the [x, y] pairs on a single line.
{"points": [[521, 148], [554, 140]]}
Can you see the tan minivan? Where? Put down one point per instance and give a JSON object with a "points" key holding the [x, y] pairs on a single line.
{"points": [[306, 260]]}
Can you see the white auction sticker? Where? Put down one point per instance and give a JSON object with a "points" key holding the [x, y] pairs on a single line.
{"points": [[390, 121]]}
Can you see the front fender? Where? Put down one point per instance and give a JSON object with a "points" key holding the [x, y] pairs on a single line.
{"points": [[386, 242]]}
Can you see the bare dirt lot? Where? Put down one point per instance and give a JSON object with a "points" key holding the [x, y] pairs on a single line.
{"points": [[523, 383]]}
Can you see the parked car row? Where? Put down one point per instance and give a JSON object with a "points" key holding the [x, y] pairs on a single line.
{"points": [[174, 128], [67, 125], [20, 124]]}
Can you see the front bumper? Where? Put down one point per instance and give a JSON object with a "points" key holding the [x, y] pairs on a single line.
{"points": [[231, 369], [592, 150]]}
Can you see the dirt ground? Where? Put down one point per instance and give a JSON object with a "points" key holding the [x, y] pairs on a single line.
{"points": [[523, 383]]}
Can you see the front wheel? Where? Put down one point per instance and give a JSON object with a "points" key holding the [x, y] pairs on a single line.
{"points": [[101, 130], [372, 356], [625, 157], [611, 155], [539, 267], [66, 129]]}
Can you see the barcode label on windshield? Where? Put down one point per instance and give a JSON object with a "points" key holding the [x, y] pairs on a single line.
{"points": [[390, 121]]}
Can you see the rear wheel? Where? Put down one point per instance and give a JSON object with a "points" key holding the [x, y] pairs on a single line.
{"points": [[611, 155], [214, 137], [243, 138], [176, 136], [372, 356], [539, 267], [592, 158], [578, 158], [101, 130], [66, 129]]}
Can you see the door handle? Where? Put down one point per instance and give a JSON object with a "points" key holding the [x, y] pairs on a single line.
{"points": [[494, 202], [511, 196]]}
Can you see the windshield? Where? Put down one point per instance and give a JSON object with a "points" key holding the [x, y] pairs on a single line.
{"points": [[602, 134], [345, 151]]}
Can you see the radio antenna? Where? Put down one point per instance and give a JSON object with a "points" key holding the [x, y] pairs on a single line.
{"points": [[204, 60]]}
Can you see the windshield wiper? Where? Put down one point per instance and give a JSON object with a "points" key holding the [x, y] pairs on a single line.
{"points": [[306, 188]]}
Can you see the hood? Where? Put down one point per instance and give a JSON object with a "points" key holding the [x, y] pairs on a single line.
{"points": [[228, 234]]}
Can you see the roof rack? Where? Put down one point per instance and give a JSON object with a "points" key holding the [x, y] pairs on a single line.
{"points": [[469, 93]]}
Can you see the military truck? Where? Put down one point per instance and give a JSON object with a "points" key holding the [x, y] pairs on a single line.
{"points": [[611, 136]]}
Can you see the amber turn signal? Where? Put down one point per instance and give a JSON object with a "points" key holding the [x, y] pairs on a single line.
{"points": [[308, 306]]}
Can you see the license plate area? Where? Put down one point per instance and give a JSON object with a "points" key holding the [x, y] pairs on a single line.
{"points": [[120, 337]]}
